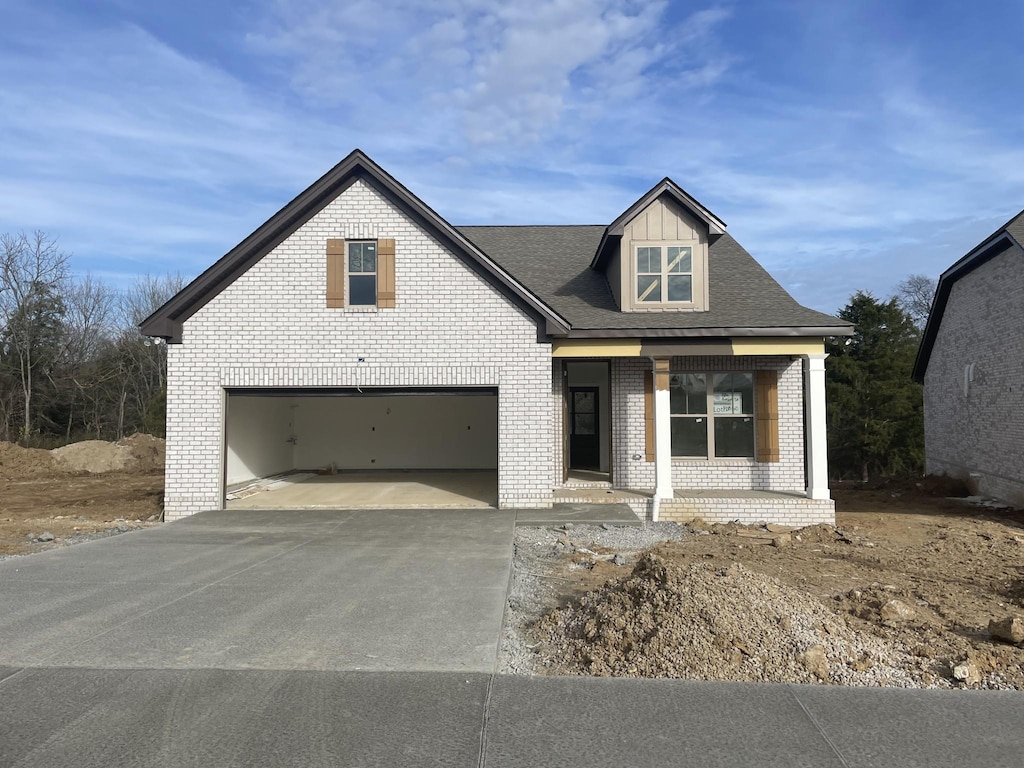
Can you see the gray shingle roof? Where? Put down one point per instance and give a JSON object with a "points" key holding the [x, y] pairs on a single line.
{"points": [[553, 262]]}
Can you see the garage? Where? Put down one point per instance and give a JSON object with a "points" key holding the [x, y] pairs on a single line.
{"points": [[359, 447]]}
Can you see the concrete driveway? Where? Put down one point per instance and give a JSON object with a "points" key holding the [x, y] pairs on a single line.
{"points": [[311, 589], [246, 639]]}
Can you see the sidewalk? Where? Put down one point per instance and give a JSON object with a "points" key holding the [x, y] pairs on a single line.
{"points": [[201, 717]]}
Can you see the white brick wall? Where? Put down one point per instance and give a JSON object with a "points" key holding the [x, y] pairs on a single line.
{"points": [[979, 436], [628, 424], [271, 328], [797, 512]]}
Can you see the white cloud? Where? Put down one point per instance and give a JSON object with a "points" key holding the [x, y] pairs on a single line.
{"points": [[497, 73]]}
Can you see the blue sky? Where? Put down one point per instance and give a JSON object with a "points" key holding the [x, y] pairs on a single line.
{"points": [[846, 144]]}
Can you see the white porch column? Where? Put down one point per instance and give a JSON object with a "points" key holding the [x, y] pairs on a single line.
{"points": [[816, 439], [662, 433]]}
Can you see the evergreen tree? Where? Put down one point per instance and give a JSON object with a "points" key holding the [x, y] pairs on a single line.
{"points": [[875, 410]]}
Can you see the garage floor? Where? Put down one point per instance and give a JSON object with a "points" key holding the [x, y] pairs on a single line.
{"points": [[387, 490]]}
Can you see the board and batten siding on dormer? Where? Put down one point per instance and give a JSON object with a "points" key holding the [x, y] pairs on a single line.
{"points": [[666, 221]]}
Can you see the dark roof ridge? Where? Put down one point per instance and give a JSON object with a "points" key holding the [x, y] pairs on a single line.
{"points": [[480, 226]]}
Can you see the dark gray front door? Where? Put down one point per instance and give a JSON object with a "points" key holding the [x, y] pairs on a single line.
{"points": [[584, 434]]}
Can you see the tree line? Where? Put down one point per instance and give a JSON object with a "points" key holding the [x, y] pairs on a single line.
{"points": [[875, 409], [73, 364]]}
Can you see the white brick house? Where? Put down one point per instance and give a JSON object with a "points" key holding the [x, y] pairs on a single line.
{"points": [[971, 363], [358, 329]]}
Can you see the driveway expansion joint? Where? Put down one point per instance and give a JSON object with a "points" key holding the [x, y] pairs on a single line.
{"points": [[814, 721]]}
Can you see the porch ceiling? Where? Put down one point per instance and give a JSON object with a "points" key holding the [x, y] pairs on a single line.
{"points": [[728, 347]]}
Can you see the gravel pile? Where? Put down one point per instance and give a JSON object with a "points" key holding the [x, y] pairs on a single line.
{"points": [[533, 589], [707, 623]]}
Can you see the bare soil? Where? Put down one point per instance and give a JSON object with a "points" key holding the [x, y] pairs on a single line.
{"points": [[900, 592], [41, 495]]}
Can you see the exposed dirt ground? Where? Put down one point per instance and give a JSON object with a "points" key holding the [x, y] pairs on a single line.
{"points": [[908, 581], [53, 498]]}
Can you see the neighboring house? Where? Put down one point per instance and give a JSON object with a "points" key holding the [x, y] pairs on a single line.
{"points": [[971, 363], [358, 328]]}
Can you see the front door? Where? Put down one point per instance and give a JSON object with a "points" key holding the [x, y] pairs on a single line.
{"points": [[584, 435]]}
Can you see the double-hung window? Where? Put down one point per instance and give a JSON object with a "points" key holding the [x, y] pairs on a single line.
{"points": [[712, 415], [664, 274], [362, 273]]}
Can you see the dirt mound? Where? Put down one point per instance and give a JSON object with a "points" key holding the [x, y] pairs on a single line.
{"points": [[707, 623], [95, 456], [17, 462], [147, 452], [138, 453]]}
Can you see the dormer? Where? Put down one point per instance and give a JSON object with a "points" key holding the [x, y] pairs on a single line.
{"points": [[655, 255]]}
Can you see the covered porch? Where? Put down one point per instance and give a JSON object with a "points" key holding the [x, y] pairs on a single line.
{"points": [[722, 430]]}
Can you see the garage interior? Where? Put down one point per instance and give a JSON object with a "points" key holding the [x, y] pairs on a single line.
{"points": [[351, 448]]}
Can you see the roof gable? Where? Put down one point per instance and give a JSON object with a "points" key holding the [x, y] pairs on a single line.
{"points": [[1009, 235], [665, 187], [166, 322]]}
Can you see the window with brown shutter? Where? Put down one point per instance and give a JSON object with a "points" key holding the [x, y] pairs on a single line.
{"points": [[722, 415], [360, 272], [335, 273], [766, 388]]}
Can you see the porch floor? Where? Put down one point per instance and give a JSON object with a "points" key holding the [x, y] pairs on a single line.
{"points": [[570, 494], [713, 505]]}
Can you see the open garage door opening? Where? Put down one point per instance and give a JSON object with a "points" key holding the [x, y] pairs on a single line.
{"points": [[346, 448]]}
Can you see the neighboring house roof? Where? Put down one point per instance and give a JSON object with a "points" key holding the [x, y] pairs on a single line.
{"points": [[1007, 236], [167, 320], [554, 262], [545, 270]]}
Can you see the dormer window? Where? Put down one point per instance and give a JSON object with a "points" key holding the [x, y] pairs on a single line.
{"points": [[664, 274], [661, 263]]}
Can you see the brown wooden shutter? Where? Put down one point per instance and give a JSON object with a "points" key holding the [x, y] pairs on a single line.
{"points": [[386, 273], [766, 404], [649, 414], [335, 273]]}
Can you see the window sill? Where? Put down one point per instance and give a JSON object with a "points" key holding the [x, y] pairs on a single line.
{"points": [[667, 308], [735, 461], [369, 309]]}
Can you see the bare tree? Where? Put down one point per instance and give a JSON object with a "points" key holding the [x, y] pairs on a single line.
{"points": [[33, 274], [914, 295], [90, 329], [142, 362], [90, 319]]}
